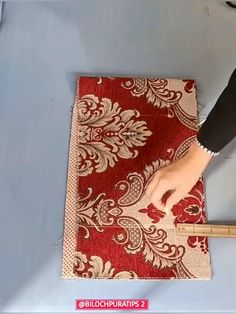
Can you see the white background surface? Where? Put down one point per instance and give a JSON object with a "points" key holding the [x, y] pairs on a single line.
{"points": [[43, 46]]}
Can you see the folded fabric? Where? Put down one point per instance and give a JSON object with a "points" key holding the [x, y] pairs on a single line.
{"points": [[123, 130]]}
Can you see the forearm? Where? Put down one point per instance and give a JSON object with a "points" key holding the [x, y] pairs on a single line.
{"points": [[220, 126]]}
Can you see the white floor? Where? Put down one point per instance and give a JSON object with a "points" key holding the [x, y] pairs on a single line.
{"points": [[43, 45]]}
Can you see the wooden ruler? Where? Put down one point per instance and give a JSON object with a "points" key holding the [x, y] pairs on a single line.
{"points": [[206, 230]]}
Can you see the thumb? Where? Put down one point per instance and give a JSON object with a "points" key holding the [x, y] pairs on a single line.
{"points": [[173, 199]]}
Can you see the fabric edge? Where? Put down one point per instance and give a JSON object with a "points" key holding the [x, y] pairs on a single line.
{"points": [[69, 243]]}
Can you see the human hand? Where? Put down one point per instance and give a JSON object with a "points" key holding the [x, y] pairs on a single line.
{"points": [[172, 183]]}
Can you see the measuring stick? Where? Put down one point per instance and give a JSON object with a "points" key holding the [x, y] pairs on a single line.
{"points": [[206, 230]]}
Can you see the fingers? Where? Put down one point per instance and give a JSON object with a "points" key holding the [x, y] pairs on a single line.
{"points": [[157, 195], [173, 199], [152, 184], [159, 205], [161, 194]]}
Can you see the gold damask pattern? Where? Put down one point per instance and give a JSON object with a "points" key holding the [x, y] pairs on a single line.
{"points": [[98, 269], [160, 94], [106, 133], [150, 240]]}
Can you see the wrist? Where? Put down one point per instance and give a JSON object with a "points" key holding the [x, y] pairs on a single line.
{"points": [[198, 156]]}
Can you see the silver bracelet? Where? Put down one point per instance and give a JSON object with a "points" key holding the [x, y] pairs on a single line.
{"points": [[213, 154]]}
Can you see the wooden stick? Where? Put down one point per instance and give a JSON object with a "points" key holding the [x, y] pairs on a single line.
{"points": [[206, 230]]}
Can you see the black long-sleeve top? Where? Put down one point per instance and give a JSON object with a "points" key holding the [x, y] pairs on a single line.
{"points": [[220, 126]]}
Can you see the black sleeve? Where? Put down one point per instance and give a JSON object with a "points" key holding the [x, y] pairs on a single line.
{"points": [[220, 126]]}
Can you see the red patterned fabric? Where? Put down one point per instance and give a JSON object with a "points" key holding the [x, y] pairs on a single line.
{"points": [[123, 131]]}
